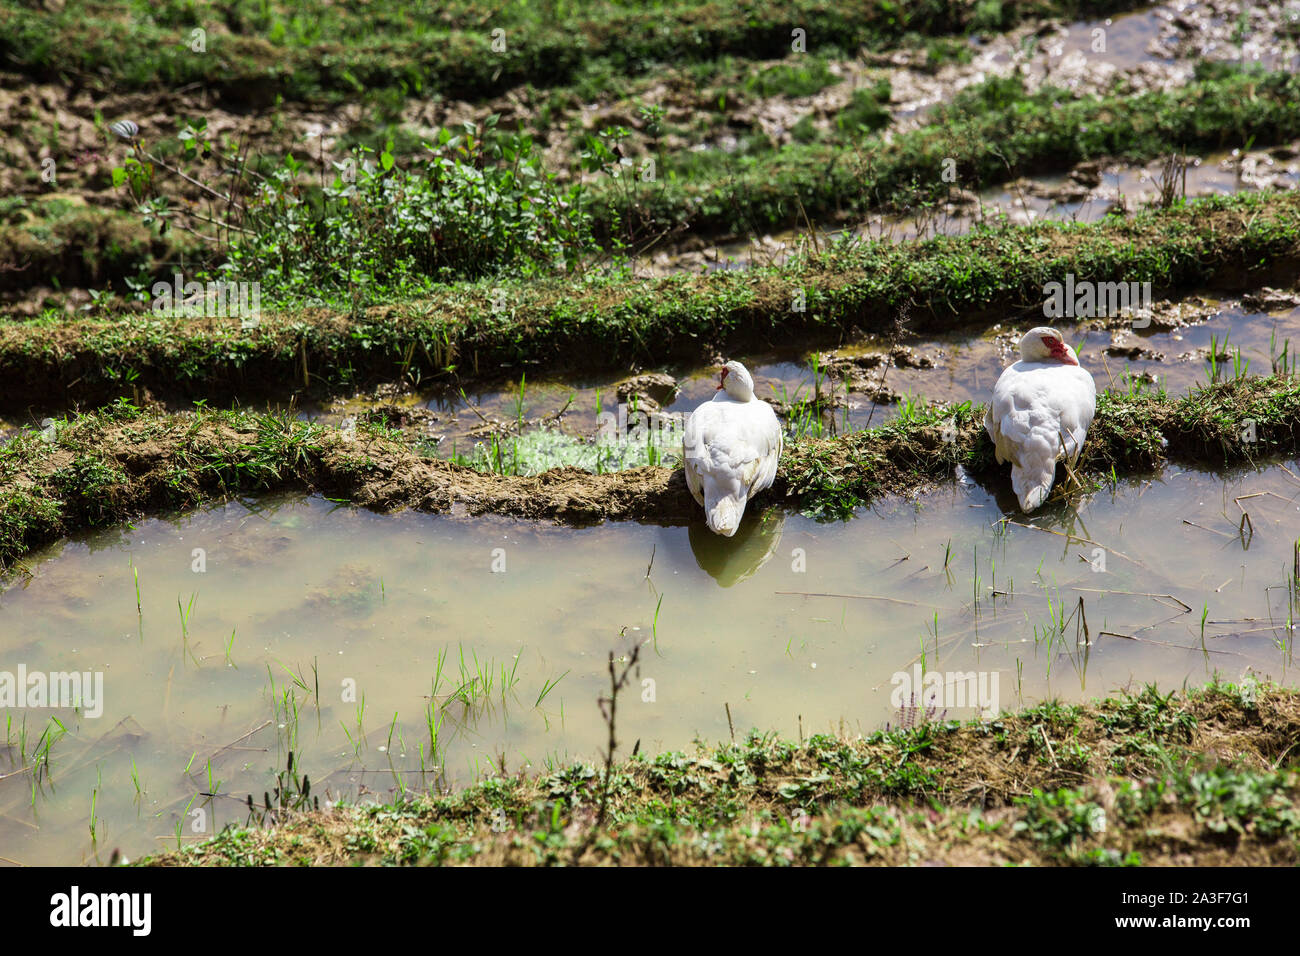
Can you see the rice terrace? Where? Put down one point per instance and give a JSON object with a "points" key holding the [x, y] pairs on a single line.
{"points": [[497, 432]]}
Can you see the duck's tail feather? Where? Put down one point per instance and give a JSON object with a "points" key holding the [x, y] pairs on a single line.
{"points": [[723, 516], [1032, 485]]}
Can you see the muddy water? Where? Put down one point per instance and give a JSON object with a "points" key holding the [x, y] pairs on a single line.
{"points": [[1087, 56], [1130, 40], [1125, 186], [1121, 186], [1176, 358], [962, 368], [300, 610]]}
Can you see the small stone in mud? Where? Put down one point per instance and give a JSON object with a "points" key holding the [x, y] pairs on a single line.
{"points": [[1270, 300], [1124, 344], [958, 197], [396, 416], [391, 389], [1163, 316], [904, 357], [1203, 355], [832, 363], [1134, 352], [1088, 173], [828, 403], [649, 388], [1070, 192], [1007, 344], [491, 428], [881, 395], [864, 375]]}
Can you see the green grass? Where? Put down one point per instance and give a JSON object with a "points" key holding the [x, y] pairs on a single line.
{"points": [[495, 210], [791, 79], [257, 51], [536, 450], [993, 133], [463, 331], [975, 792]]}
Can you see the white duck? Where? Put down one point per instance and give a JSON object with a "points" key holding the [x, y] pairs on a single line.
{"points": [[731, 446], [1040, 412]]}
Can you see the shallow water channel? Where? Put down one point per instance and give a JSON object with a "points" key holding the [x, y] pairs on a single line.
{"points": [[952, 367], [403, 652]]}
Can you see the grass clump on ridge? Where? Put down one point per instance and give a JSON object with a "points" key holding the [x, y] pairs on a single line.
{"points": [[995, 132], [462, 331], [256, 51], [1148, 782]]}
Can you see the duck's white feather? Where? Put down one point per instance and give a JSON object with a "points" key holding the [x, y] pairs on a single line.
{"points": [[1040, 413], [731, 449]]}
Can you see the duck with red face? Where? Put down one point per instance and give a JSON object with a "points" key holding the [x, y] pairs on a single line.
{"points": [[1041, 410], [1057, 350]]}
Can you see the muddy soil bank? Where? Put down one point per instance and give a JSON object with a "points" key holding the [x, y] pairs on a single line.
{"points": [[121, 463]]}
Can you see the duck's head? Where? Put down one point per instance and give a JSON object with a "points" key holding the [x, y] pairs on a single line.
{"points": [[735, 380], [1046, 345]]}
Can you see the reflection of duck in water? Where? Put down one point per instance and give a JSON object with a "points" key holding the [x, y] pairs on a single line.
{"points": [[728, 560]]}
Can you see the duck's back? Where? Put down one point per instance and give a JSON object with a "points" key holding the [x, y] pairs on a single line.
{"points": [[731, 452]]}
